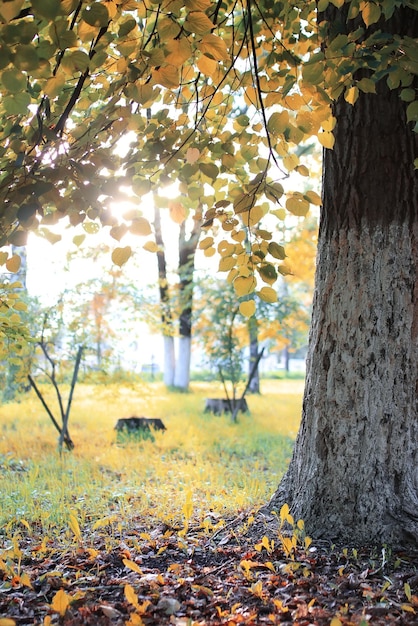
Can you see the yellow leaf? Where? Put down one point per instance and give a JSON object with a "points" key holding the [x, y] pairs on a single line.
{"points": [[285, 514], [291, 161], [371, 13], [297, 205], [408, 608], [244, 285], [336, 622], [20, 306], [9, 10], [5, 621], [226, 263], [131, 596], [177, 212], [25, 580], [326, 139], [140, 226], [188, 505], [54, 85], [60, 602], [179, 51], [73, 523], [3, 257], [150, 246], [313, 197], [121, 255], [214, 47], [247, 308], [13, 264], [132, 565], [268, 294], [198, 22], [252, 217], [351, 95], [168, 76], [207, 66], [278, 122], [206, 243]]}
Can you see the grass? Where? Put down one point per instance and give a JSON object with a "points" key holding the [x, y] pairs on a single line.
{"points": [[203, 466]]}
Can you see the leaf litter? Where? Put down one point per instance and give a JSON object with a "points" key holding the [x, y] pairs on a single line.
{"points": [[245, 570]]}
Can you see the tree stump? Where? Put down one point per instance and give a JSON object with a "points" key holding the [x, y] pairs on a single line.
{"points": [[138, 427], [218, 406]]}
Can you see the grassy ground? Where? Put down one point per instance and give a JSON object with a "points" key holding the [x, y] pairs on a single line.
{"points": [[201, 465]]}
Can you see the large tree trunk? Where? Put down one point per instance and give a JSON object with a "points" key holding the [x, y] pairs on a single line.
{"points": [[354, 471]]}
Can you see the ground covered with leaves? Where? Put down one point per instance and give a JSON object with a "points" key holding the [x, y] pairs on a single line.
{"points": [[247, 570]]}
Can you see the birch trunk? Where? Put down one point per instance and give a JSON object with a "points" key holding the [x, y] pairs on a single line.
{"points": [[169, 361], [354, 471]]}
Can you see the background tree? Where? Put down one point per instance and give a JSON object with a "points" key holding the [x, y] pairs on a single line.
{"points": [[176, 301], [222, 332]]}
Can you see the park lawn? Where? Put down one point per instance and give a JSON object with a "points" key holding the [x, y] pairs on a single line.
{"points": [[213, 464], [168, 531]]}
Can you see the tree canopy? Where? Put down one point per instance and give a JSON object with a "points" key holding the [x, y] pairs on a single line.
{"points": [[221, 98]]}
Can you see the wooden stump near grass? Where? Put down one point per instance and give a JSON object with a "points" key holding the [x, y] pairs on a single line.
{"points": [[138, 428], [218, 406]]}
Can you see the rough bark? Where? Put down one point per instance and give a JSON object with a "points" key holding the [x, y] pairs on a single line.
{"points": [[354, 472]]}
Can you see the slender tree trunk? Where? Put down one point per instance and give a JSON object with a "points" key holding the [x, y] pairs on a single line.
{"points": [[187, 250], [165, 308], [286, 359], [354, 471], [254, 386], [169, 360]]}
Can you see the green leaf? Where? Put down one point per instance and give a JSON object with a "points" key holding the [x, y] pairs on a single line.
{"points": [[313, 70], [278, 123], [96, 15], [75, 61], [13, 81], [210, 170], [61, 36], [26, 58], [367, 85], [126, 26], [408, 95], [17, 104], [48, 9], [268, 273], [412, 112], [276, 250]]}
